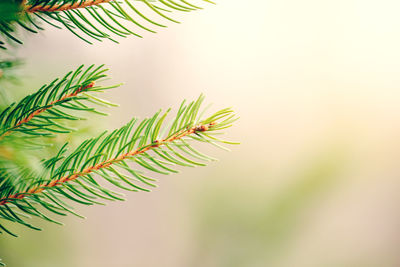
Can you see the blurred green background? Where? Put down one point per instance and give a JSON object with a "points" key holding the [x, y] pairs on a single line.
{"points": [[315, 181]]}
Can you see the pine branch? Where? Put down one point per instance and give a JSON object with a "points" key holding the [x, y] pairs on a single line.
{"points": [[39, 111], [95, 19], [71, 176], [8, 15], [61, 7], [38, 114], [107, 163]]}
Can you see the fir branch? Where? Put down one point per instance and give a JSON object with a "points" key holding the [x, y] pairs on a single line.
{"points": [[95, 19], [33, 114], [107, 163], [50, 105], [71, 176], [61, 7]]}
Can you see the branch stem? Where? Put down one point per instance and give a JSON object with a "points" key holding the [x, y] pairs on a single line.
{"points": [[62, 7]]}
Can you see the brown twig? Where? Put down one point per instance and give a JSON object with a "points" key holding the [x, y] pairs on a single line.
{"points": [[105, 164], [62, 7]]}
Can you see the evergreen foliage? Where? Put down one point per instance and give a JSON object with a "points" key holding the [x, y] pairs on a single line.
{"points": [[92, 19], [42, 175]]}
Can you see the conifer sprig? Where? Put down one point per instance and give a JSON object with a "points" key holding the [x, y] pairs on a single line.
{"points": [[95, 19], [53, 6], [42, 112], [149, 145]]}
